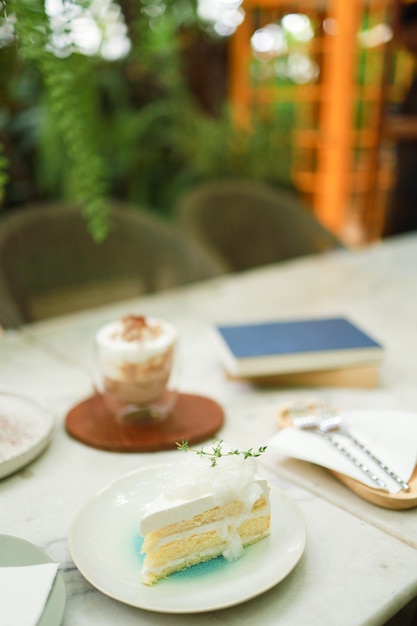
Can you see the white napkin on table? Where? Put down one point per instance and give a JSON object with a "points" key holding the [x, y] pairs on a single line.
{"points": [[391, 435], [24, 591]]}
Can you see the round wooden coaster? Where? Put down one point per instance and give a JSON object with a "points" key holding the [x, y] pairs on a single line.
{"points": [[194, 419]]}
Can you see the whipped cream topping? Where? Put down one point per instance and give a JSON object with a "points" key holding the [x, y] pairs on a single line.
{"points": [[192, 485], [194, 477], [132, 339]]}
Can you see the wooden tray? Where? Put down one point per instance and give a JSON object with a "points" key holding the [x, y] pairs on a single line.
{"points": [[397, 501], [194, 418]]}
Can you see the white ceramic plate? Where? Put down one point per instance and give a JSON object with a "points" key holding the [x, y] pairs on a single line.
{"points": [[25, 429], [16, 552], [105, 544]]}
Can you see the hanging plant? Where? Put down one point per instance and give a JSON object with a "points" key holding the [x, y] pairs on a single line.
{"points": [[69, 93], [83, 123], [4, 176]]}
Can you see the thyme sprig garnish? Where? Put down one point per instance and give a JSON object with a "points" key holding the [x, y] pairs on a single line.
{"points": [[216, 451]]}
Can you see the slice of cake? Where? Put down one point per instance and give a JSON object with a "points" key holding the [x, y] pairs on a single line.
{"points": [[210, 506]]}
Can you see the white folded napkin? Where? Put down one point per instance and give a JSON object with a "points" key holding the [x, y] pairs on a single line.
{"points": [[24, 591], [391, 435]]}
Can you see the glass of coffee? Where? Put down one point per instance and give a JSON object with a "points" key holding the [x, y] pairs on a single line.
{"points": [[136, 358]]}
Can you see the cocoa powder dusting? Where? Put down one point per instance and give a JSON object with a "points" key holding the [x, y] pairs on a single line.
{"points": [[17, 432], [137, 328]]}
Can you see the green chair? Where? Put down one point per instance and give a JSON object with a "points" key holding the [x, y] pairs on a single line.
{"points": [[50, 265], [249, 224]]}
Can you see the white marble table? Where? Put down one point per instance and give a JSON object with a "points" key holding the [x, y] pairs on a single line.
{"points": [[360, 562]]}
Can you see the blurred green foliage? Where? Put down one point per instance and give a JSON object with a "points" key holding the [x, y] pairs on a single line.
{"points": [[81, 127]]}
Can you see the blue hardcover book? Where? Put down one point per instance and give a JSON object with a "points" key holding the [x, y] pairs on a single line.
{"points": [[303, 345]]}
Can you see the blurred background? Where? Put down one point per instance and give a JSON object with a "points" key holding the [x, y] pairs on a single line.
{"points": [[141, 100]]}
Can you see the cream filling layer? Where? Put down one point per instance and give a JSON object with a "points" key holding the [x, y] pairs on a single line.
{"points": [[203, 555], [222, 527], [152, 574], [228, 535], [166, 512]]}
